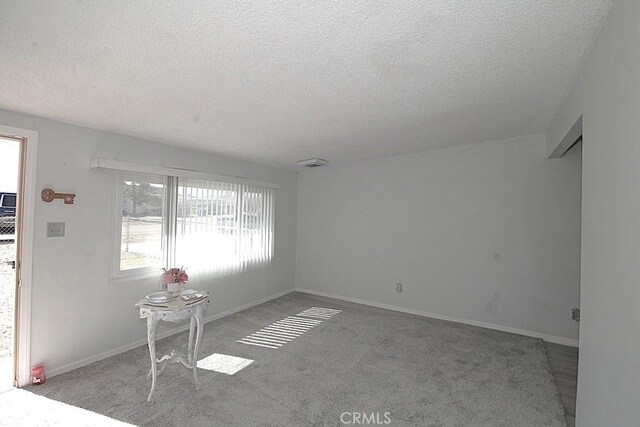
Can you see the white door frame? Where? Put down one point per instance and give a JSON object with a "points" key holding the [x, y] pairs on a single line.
{"points": [[25, 232]]}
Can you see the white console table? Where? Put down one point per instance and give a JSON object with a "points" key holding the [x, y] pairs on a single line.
{"points": [[173, 311]]}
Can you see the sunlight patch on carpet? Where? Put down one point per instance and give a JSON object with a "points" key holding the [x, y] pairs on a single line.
{"points": [[283, 331], [319, 312], [224, 363]]}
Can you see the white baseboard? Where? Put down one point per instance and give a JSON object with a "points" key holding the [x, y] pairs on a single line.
{"points": [[183, 327], [545, 337]]}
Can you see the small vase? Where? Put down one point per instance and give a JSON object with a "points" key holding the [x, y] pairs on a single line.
{"points": [[174, 289]]}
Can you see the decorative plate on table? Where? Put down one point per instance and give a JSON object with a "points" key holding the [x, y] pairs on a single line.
{"points": [[192, 295], [160, 297]]}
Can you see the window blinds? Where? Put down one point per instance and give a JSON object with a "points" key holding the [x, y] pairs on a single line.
{"points": [[222, 228]]}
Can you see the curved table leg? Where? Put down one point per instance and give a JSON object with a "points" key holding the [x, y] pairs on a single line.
{"points": [[194, 361], [190, 349], [152, 324]]}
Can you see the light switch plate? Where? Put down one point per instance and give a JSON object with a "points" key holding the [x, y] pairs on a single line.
{"points": [[55, 229]]}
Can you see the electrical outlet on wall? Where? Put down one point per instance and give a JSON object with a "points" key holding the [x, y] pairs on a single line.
{"points": [[399, 287]]}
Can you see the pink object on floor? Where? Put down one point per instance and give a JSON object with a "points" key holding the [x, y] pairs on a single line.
{"points": [[38, 375]]}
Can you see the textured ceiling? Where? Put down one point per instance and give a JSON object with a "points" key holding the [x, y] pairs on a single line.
{"points": [[278, 81]]}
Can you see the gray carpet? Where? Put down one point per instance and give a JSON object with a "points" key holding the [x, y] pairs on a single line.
{"points": [[420, 371]]}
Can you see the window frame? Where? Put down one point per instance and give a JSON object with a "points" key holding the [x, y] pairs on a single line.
{"points": [[169, 231], [116, 273]]}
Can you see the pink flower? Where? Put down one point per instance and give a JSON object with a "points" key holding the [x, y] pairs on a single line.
{"points": [[174, 275]]}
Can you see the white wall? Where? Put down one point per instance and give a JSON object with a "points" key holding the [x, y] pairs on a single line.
{"points": [[607, 93], [486, 232], [77, 313]]}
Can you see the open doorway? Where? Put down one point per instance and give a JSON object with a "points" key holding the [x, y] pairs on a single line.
{"points": [[10, 161], [563, 359]]}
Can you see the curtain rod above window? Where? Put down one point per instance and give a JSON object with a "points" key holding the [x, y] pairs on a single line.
{"points": [[103, 163]]}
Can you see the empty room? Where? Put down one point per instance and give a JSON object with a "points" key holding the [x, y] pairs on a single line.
{"points": [[255, 213]]}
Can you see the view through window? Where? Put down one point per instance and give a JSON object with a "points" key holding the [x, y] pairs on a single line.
{"points": [[142, 222], [211, 228]]}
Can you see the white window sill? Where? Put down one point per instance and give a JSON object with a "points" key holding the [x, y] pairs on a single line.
{"points": [[135, 277]]}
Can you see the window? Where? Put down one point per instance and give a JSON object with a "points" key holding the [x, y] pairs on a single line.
{"points": [[223, 228], [8, 200], [141, 211], [211, 228]]}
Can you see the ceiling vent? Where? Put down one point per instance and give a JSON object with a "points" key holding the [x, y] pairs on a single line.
{"points": [[312, 163]]}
